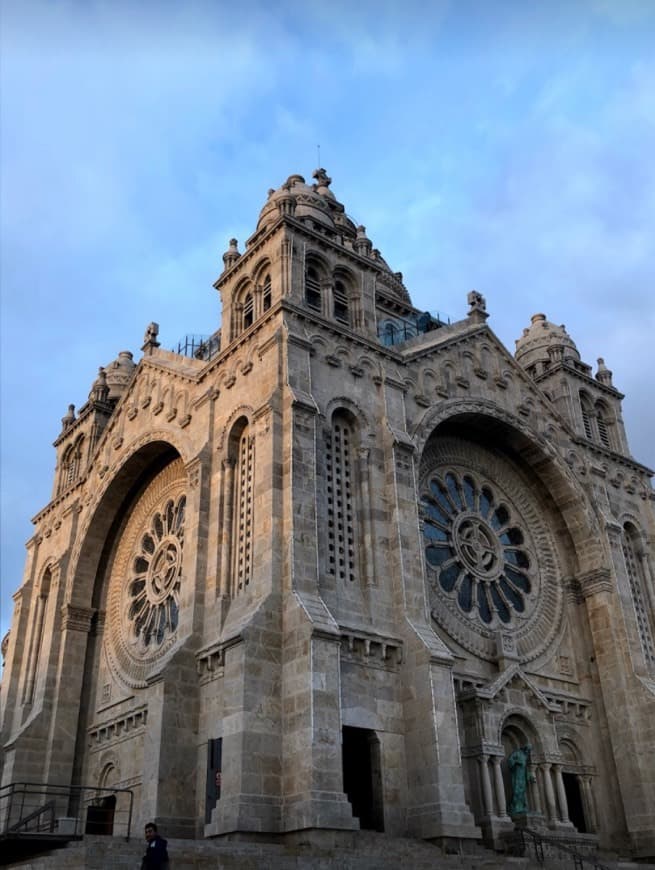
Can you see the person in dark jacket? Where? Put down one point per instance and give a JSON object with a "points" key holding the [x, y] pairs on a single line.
{"points": [[156, 856]]}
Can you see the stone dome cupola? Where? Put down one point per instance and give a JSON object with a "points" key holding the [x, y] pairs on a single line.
{"points": [[315, 202], [544, 342], [118, 374]]}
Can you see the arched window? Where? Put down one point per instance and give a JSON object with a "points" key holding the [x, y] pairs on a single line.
{"points": [[640, 600], [603, 424], [71, 465], [341, 499], [587, 416], [340, 300], [313, 288], [248, 311], [266, 294], [242, 451]]}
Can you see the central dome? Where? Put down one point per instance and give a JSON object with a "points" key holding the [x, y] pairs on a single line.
{"points": [[313, 201]]}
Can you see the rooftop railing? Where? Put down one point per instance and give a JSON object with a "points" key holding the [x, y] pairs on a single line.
{"points": [[394, 329], [202, 347]]}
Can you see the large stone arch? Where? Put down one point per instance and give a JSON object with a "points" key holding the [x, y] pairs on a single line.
{"points": [[101, 519]]}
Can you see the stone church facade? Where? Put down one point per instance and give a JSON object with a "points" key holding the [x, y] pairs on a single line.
{"points": [[330, 566]]}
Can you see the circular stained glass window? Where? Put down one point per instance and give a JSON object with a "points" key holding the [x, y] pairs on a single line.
{"points": [[477, 547], [146, 585], [153, 591], [491, 558]]}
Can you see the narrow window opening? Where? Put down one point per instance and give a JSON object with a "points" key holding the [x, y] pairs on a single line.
{"points": [[266, 294], [312, 289], [341, 303], [248, 312]]}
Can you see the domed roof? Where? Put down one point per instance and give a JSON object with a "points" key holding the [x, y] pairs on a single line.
{"points": [[315, 201], [119, 373], [539, 337]]}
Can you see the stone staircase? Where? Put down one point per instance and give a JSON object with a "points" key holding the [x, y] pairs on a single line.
{"points": [[324, 850]]}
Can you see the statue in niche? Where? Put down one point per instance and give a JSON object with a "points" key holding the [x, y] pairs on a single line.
{"points": [[518, 764]]}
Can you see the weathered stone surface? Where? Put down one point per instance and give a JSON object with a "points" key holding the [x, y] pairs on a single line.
{"points": [[347, 558]]}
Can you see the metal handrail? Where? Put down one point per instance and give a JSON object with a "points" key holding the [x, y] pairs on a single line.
{"points": [[538, 841], [50, 806], [15, 795]]}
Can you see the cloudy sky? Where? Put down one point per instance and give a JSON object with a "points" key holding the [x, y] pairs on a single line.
{"points": [[497, 145]]}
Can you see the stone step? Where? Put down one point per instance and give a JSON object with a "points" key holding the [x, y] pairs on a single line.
{"points": [[322, 850]]}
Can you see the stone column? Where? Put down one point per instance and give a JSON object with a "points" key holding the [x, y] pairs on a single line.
{"points": [[501, 798], [436, 798], [561, 794], [588, 803], [75, 623], [625, 698], [551, 809], [647, 574], [487, 798], [535, 793]]}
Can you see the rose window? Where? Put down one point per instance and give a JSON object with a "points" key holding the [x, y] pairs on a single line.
{"points": [[477, 547], [153, 589]]}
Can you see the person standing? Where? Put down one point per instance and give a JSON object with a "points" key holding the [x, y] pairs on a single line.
{"points": [[156, 855]]}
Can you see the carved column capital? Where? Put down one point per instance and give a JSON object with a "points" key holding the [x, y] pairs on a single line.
{"points": [[76, 618], [595, 582]]}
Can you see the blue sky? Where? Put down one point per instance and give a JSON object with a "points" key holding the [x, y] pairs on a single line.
{"points": [[503, 146]]}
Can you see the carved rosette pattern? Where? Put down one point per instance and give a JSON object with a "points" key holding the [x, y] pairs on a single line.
{"points": [[490, 558], [146, 579]]}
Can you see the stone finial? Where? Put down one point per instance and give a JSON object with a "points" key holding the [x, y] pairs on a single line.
{"points": [[477, 306], [323, 181], [232, 254], [100, 389], [603, 375], [476, 300], [69, 418], [362, 243], [150, 338]]}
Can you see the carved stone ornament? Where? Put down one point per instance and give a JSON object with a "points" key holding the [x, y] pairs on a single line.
{"points": [[490, 557], [146, 579]]}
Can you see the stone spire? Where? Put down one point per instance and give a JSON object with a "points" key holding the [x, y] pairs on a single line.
{"points": [[100, 389], [604, 375], [232, 254], [68, 419]]}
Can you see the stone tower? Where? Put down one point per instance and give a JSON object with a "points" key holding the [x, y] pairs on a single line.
{"points": [[332, 565]]}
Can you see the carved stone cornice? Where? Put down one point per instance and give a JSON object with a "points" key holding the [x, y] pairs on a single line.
{"points": [[595, 582]]}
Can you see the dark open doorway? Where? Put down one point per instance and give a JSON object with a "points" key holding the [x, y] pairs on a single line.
{"points": [[100, 816], [362, 776], [574, 800]]}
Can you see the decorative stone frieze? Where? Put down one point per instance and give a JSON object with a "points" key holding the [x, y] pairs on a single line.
{"points": [[119, 727], [371, 650]]}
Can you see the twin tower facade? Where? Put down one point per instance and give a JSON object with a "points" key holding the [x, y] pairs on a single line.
{"points": [[331, 565]]}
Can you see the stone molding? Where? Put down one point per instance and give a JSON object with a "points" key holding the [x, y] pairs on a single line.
{"points": [[210, 661], [595, 582], [119, 727], [371, 650], [76, 618]]}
